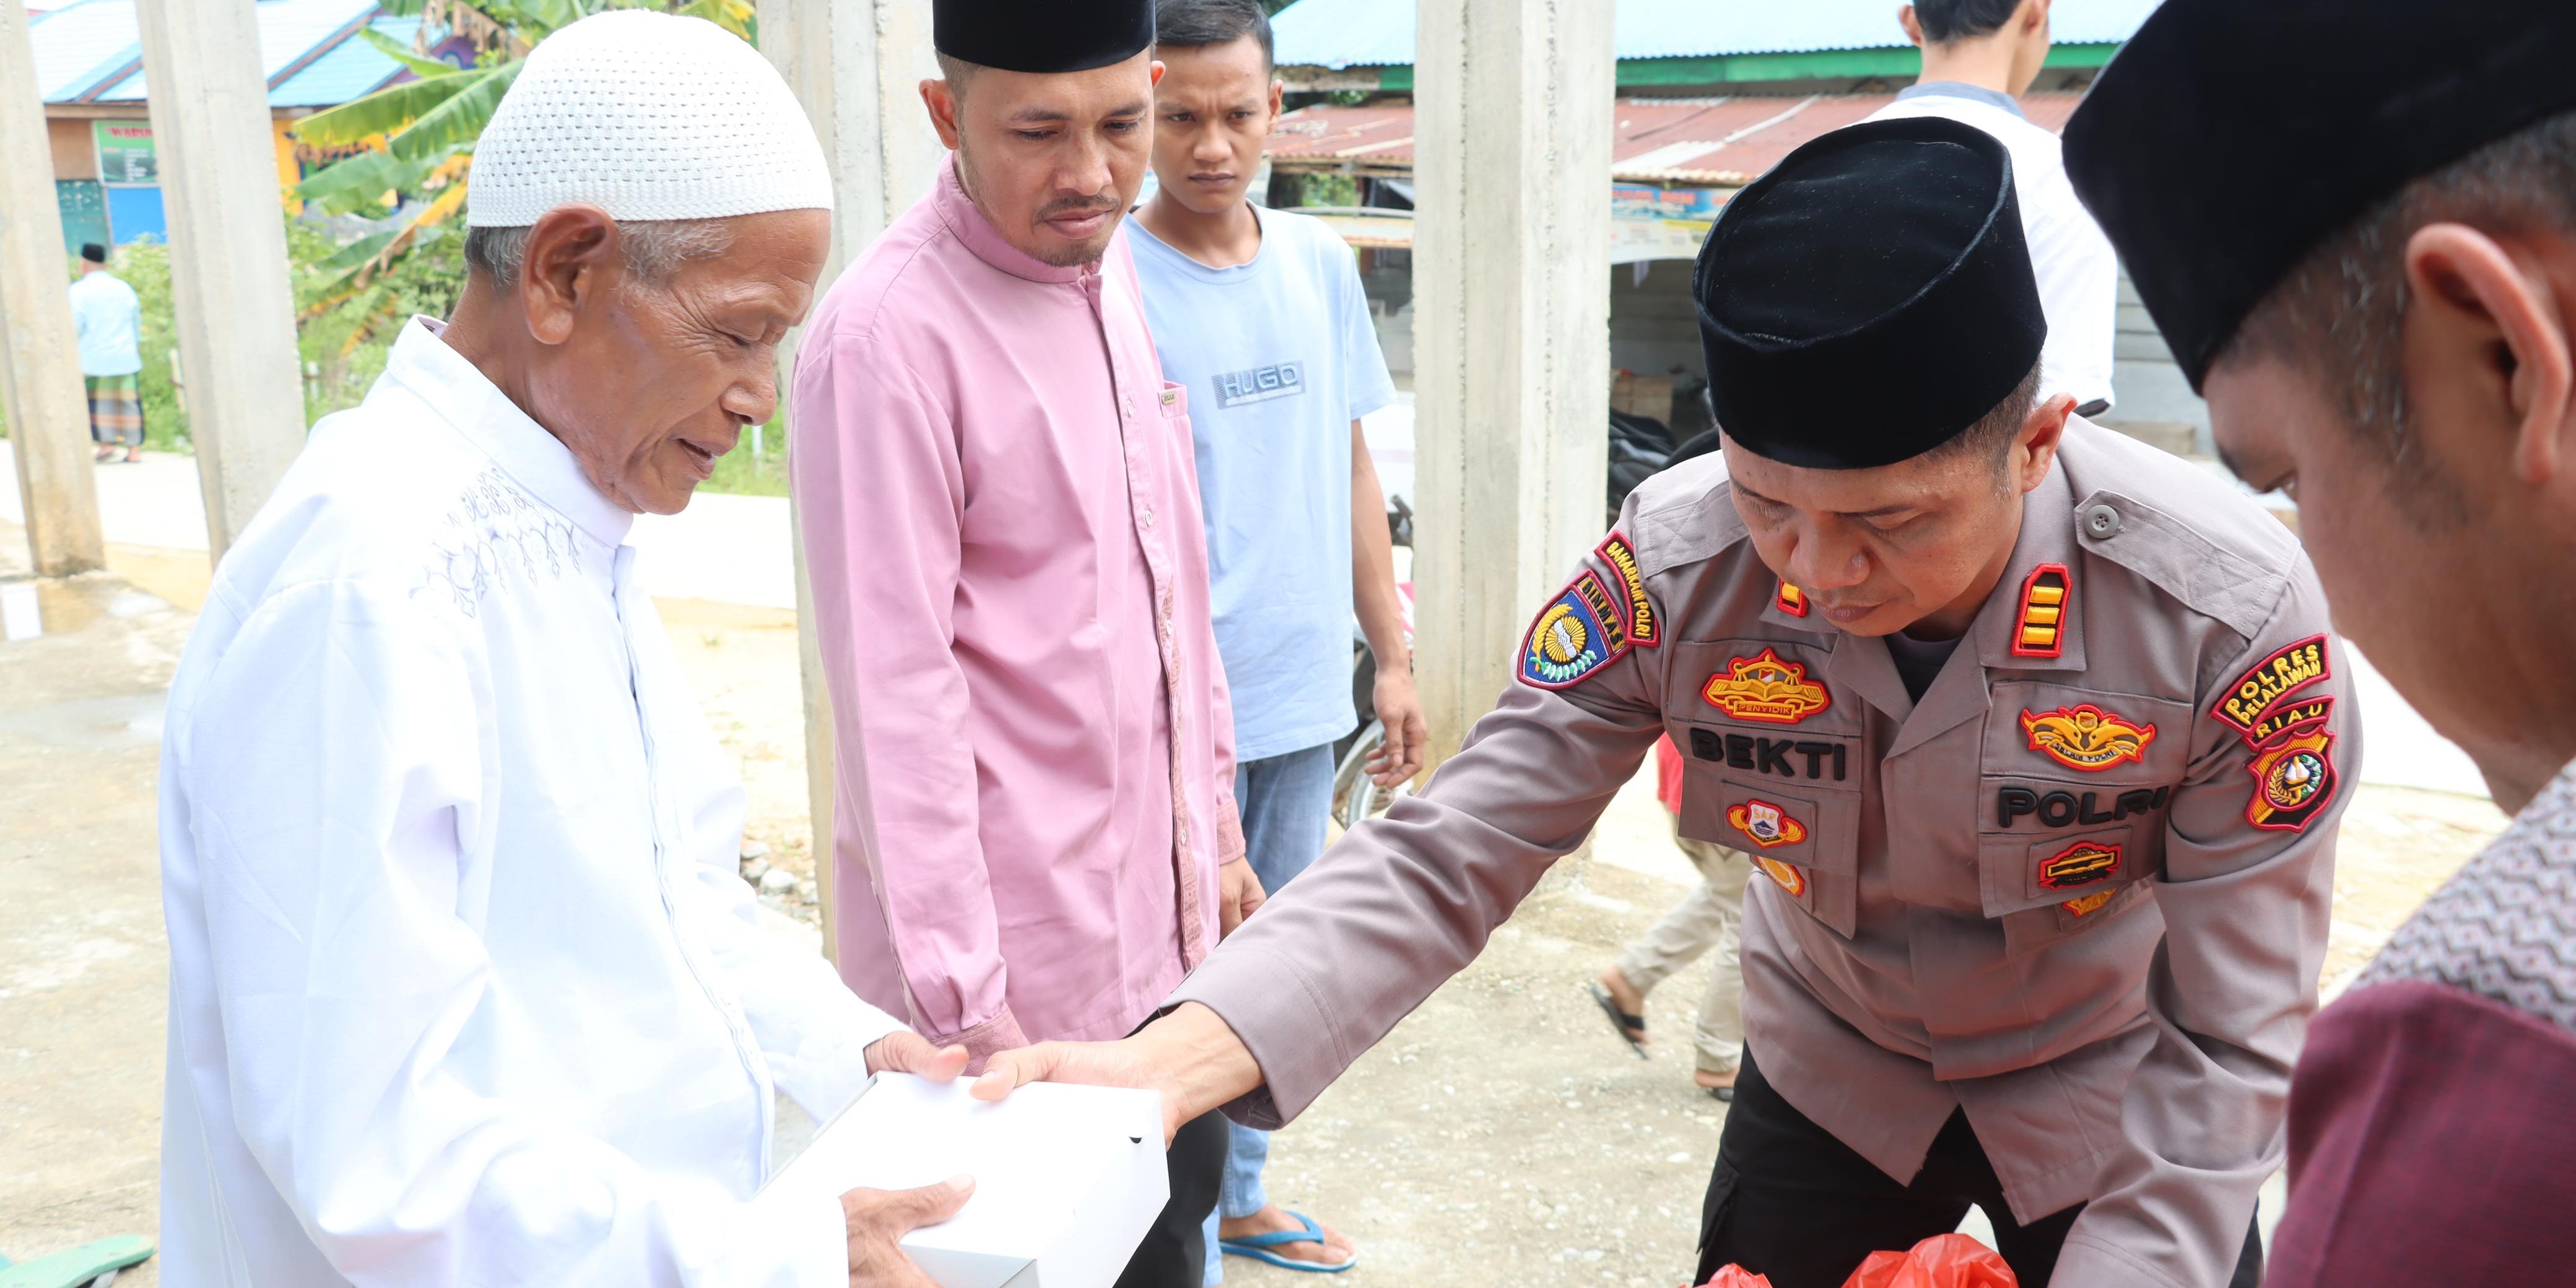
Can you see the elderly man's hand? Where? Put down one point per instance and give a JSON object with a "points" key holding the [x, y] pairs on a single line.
{"points": [[904, 1051], [1238, 895], [878, 1220]]}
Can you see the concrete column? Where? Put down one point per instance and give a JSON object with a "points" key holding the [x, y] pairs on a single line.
{"points": [[1511, 278], [40, 380], [228, 274], [857, 66]]}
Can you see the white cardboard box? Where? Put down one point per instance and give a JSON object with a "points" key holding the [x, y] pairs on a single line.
{"points": [[1067, 1178]]}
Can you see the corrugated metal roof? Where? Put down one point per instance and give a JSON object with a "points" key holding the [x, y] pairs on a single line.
{"points": [[79, 45], [1704, 142], [1378, 33], [352, 68], [90, 51]]}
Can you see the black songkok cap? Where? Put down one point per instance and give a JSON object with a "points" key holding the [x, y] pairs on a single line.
{"points": [[1870, 297], [2215, 169], [1042, 35]]}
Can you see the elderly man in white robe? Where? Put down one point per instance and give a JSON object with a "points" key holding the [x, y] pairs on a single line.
{"points": [[464, 986]]}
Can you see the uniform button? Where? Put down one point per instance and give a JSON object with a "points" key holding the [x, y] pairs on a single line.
{"points": [[2101, 522]]}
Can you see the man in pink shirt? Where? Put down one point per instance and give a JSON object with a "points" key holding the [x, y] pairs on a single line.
{"points": [[1036, 832]]}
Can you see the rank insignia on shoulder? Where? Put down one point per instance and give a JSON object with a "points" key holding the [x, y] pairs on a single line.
{"points": [[1766, 823], [2294, 777], [2248, 702], [2082, 863], [2086, 737], [1766, 689], [1645, 625], [2046, 597], [1792, 602], [2089, 904], [1790, 879], [1578, 634]]}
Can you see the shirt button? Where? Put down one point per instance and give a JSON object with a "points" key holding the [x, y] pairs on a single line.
{"points": [[1149, 518], [2101, 522]]}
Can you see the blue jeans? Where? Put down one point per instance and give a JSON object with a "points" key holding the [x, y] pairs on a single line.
{"points": [[1286, 801]]}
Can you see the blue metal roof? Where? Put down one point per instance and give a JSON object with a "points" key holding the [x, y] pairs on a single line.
{"points": [[1377, 33], [91, 49], [352, 68]]}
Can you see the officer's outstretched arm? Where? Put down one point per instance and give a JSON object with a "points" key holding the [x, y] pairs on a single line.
{"points": [[2248, 883], [1407, 900]]}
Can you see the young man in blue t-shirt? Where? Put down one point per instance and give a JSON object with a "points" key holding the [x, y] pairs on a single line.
{"points": [[1259, 313]]}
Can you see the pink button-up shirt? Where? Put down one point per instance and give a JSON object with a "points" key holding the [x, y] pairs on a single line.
{"points": [[1001, 519]]}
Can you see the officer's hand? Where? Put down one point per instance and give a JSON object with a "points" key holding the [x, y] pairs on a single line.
{"points": [[1239, 893], [878, 1220], [1191, 1056], [1400, 710], [907, 1052]]}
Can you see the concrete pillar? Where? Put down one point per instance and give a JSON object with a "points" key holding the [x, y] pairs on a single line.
{"points": [[40, 380], [228, 274], [1511, 279], [857, 66]]}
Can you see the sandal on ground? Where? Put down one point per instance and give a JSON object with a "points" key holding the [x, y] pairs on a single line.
{"points": [[1259, 1248], [1726, 1094], [1629, 1026]]}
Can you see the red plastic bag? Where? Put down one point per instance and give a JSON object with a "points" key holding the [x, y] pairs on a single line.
{"points": [[1737, 1277], [1942, 1261]]}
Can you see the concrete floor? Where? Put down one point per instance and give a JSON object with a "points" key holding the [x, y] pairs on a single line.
{"points": [[1500, 1136], [83, 970]]}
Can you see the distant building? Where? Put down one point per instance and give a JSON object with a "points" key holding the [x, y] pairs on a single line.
{"points": [[1711, 95], [89, 70]]}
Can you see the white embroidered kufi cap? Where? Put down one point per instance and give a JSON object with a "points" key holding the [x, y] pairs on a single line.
{"points": [[647, 116]]}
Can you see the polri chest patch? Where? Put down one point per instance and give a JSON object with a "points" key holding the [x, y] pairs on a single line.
{"points": [[1582, 631], [2086, 737], [1767, 690]]}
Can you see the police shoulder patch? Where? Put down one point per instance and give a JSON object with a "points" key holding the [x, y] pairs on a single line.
{"points": [[1578, 633], [2246, 703], [1645, 624]]}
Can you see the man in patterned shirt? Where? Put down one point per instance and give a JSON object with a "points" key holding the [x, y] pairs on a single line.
{"points": [[2387, 338]]}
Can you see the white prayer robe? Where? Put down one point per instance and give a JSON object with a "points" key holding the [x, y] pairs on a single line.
{"points": [[464, 987]]}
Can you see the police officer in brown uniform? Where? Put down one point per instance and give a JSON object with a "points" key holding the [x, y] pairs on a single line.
{"points": [[2036, 731]]}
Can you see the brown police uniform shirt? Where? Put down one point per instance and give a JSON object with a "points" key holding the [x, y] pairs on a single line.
{"points": [[2080, 890]]}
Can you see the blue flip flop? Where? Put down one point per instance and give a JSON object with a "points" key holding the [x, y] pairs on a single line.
{"points": [[1259, 1246]]}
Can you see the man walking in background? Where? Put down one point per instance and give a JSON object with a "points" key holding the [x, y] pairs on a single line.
{"points": [[1710, 917], [110, 322], [1260, 315], [1036, 830], [1979, 56]]}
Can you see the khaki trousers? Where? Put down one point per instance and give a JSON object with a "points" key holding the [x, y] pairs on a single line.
{"points": [[1709, 917]]}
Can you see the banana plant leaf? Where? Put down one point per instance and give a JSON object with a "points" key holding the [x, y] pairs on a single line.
{"points": [[460, 119], [355, 255], [359, 180], [425, 68], [386, 110]]}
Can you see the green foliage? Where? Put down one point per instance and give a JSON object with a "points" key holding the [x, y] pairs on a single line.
{"points": [[760, 472], [343, 331], [1327, 190], [430, 125]]}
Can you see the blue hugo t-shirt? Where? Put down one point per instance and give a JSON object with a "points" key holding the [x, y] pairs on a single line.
{"points": [[1279, 358]]}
